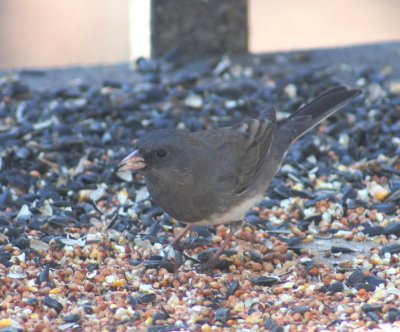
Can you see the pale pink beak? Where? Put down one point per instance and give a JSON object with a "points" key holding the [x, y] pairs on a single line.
{"points": [[133, 162]]}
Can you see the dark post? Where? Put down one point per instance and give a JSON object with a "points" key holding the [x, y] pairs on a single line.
{"points": [[199, 27]]}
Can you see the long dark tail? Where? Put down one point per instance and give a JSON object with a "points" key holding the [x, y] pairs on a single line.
{"points": [[308, 116]]}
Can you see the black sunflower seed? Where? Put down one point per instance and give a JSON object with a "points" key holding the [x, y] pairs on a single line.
{"points": [[265, 281], [355, 278], [336, 287], [390, 249], [54, 304], [222, 315], [233, 287]]}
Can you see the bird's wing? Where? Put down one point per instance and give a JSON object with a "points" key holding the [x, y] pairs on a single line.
{"points": [[238, 152], [258, 133]]}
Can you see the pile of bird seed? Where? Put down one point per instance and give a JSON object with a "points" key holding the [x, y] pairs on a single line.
{"points": [[83, 248]]}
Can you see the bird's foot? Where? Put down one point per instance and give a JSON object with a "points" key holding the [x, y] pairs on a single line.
{"points": [[176, 243], [209, 266], [212, 262], [176, 246]]}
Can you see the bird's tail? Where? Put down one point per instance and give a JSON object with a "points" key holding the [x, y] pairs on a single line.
{"points": [[308, 116]]}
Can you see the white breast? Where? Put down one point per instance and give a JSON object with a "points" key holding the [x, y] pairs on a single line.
{"points": [[233, 214]]}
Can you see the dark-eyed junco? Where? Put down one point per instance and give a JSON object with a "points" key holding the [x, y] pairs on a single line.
{"points": [[213, 177]]}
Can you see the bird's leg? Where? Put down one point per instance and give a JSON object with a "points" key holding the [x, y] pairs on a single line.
{"points": [[211, 262], [179, 237]]}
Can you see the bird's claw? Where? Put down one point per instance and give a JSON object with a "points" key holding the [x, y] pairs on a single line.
{"points": [[177, 246], [208, 266]]}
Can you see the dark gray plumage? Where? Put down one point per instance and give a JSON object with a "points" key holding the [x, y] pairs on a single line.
{"points": [[214, 176]]}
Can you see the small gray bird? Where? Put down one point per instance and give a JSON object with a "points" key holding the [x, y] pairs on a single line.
{"points": [[213, 177]]}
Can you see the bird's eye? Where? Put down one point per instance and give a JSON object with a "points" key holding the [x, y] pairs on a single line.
{"points": [[161, 153]]}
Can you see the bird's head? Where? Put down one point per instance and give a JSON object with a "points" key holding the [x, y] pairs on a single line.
{"points": [[158, 150]]}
